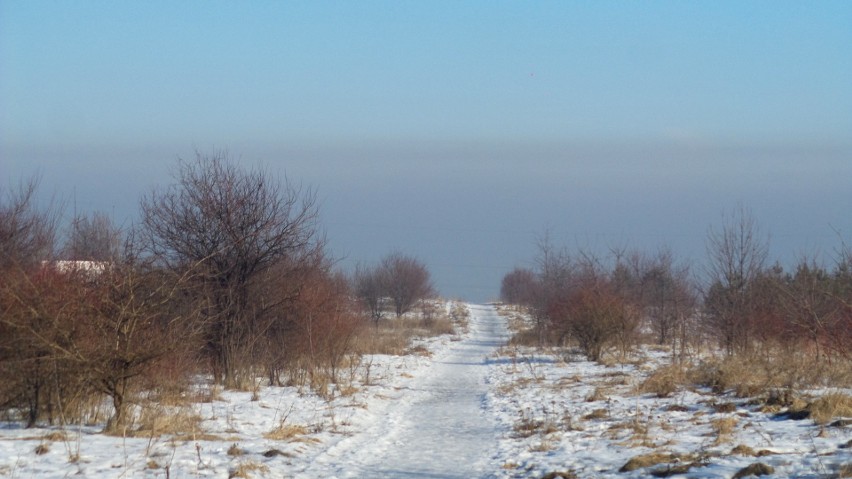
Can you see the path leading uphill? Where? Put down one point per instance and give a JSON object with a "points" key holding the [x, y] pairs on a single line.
{"points": [[438, 429]]}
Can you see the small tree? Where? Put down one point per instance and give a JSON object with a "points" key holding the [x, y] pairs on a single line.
{"points": [[737, 255], [407, 281], [371, 287]]}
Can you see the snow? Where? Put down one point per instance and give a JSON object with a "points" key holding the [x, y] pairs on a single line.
{"points": [[436, 426], [474, 408]]}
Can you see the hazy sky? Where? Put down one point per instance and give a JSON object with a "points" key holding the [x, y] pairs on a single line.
{"points": [[453, 131]]}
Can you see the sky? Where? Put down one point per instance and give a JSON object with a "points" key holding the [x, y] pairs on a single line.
{"points": [[457, 132]]}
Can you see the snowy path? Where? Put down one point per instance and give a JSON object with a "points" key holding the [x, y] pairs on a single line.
{"points": [[437, 427]]}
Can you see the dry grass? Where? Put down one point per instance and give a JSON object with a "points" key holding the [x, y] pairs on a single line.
{"points": [[743, 450], [830, 406], [394, 336], [235, 450], [290, 433], [723, 428], [647, 460], [596, 414], [760, 374], [665, 381], [156, 420], [54, 436], [245, 469], [599, 394], [527, 427], [844, 470]]}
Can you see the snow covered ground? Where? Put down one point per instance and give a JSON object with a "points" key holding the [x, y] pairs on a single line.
{"points": [[571, 415], [468, 408]]}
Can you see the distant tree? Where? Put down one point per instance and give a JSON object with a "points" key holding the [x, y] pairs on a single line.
{"points": [[371, 286], [518, 287], [407, 280], [92, 238], [737, 256], [27, 232], [236, 227]]}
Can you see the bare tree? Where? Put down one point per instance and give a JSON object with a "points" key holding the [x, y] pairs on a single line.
{"points": [[371, 287], [407, 281], [517, 287], [29, 298], [92, 238], [737, 256], [27, 232], [237, 225]]}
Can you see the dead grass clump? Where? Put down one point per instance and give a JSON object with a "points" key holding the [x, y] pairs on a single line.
{"points": [[830, 406], [845, 470], [725, 407], [647, 460], [235, 450], [665, 381], [597, 414], [723, 428], [42, 449], [289, 432], [528, 427], [756, 469], [246, 468], [743, 450]]}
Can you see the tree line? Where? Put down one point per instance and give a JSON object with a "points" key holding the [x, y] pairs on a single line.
{"points": [[227, 274], [739, 302]]}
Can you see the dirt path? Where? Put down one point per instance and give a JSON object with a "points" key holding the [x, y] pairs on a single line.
{"points": [[437, 429]]}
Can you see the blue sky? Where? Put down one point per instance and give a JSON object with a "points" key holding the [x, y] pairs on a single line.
{"points": [[454, 131]]}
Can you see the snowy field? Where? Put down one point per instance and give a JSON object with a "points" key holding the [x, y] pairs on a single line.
{"points": [[466, 406]]}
